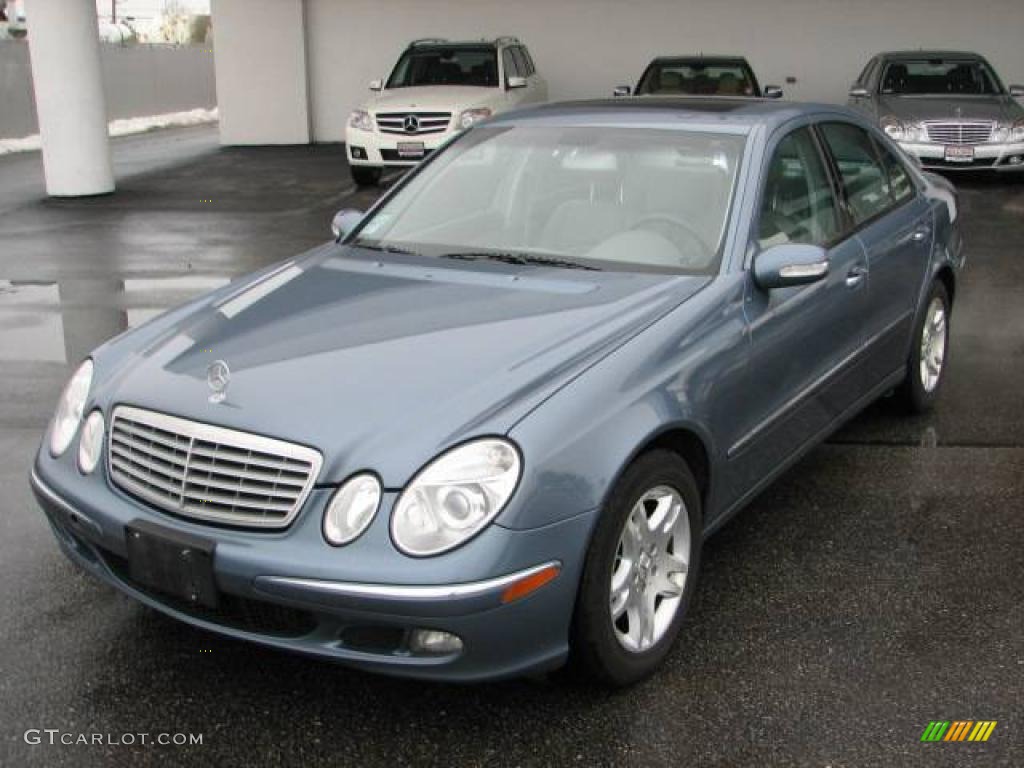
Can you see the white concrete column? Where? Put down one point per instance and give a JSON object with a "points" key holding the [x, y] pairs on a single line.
{"points": [[65, 52]]}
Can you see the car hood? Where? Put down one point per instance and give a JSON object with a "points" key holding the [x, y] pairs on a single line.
{"points": [[381, 364], [433, 98], [918, 108]]}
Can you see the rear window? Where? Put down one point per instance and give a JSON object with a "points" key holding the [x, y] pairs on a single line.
{"points": [[699, 79], [939, 77], [446, 66]]}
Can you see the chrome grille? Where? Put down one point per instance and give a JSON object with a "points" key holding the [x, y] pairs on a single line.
{"points": [[420, 122], [959, 132], [209, 473]]}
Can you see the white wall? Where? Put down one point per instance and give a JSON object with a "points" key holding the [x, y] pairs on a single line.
{"points": [[260, 66], [586, 47]]}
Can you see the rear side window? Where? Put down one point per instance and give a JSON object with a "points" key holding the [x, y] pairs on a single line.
{"points": [[900, 185], [864, 180], [521, 62], [798, 204], [531, 67]]}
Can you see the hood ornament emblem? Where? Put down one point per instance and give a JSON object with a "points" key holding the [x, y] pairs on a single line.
{"points": [[411, 124], [218, 376]]}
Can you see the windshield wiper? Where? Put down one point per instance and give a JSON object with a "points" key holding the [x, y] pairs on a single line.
{"points": [[522, 259], [383, 248]]}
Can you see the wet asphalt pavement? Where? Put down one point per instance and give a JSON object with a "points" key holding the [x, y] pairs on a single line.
{"points": [[877, 586]]}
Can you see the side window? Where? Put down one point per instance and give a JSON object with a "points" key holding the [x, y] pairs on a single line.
{"points": [[511, 67], [798, 204], [866, 73], [531, 68], [520, 60], [864, 180], [900, 185]]}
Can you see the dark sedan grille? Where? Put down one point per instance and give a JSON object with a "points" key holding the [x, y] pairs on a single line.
{"points": [[413, 123], [209, 473], [977, 132]]}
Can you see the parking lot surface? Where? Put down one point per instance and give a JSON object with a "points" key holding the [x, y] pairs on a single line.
{"points": [[876, 587]]}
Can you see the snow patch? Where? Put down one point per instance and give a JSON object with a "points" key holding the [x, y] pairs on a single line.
{"points": [[124, 127]]}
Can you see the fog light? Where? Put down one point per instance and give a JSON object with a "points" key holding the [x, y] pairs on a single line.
{"points": [[434, 642], [1016, 160], [358, 153], [91, 443]]}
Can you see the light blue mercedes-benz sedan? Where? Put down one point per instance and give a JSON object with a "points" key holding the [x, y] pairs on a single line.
{"points": [[487, 430]]}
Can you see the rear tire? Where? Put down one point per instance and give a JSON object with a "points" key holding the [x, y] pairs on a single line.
{"points": [[637, 580], [365, 176], [928, 360]]}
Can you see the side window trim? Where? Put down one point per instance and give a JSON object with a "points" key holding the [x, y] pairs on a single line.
{"points": [[846, 225]]}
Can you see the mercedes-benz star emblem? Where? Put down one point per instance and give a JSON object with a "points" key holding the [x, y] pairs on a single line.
{"points": [[411, 123], [218, 376]]}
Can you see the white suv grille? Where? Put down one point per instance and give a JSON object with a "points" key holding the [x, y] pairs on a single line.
{"points": [[413, 123], [209, 473]]}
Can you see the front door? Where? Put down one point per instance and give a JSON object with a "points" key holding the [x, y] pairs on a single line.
{"points": [[805, 340]]}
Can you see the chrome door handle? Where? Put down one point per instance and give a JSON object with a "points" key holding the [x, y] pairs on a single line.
{"points": [[856, 276], [919, 235]]}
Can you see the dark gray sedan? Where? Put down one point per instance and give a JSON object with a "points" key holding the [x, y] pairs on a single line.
{"points": [[948, 109], [487, 431]]}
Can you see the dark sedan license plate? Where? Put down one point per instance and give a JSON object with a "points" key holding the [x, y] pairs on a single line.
{"points": [[410, 149], [959, 154], [174, 563]]}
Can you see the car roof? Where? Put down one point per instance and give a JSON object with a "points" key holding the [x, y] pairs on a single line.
{"points": [[934, 54], [671, 110], [705, 57]]}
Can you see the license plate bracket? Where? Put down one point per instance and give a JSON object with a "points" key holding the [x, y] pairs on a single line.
{"points": [[411, 149], [959, 154], [172, 562]]}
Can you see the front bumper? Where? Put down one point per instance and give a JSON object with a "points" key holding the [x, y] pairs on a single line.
{"points": [[380, 150], [283, 591], [996, 157]]}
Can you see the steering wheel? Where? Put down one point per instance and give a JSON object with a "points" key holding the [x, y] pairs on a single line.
{"points": [[691, 246]]}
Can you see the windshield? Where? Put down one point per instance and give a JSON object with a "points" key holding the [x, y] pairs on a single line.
{"points": [[732, 78], [632, 199], [947, 77], [446, 66]]}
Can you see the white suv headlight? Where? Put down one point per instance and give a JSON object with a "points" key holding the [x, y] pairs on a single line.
{"points": [[473, 116], [455, 496], [361, 119], [70, 409]]}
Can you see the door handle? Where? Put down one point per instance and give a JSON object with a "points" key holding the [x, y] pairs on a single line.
{"points": [[856, 276], [919, 235]]}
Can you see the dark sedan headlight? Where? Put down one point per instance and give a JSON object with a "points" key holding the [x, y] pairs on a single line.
{"points": [[1009, 131], [455, 496], [70, 409], [901, 130]]}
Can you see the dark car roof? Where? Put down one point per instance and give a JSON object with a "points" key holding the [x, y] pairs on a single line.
{"points": [[936, 54], [739, 112], [702, 57]]}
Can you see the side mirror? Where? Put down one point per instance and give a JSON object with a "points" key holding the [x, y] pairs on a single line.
{"points": [[376, 85], [622, 90], [345, 221], [859, 92], [517, 82], [790, 264], [1017, 91], [772, 92]]}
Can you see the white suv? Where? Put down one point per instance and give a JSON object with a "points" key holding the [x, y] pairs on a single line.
{"points": [[437, 89]]}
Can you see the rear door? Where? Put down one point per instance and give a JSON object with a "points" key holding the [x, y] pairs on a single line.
{"points": [[805, 340], [893, 222]]}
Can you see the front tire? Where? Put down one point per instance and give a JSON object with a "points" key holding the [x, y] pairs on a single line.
{"points": [[926, 365], [640, 571], [365, 175]]}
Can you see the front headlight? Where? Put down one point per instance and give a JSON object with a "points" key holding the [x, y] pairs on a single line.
{"points": [[351, 509], [1017, 130], [899, 130], [91, 444], [473, 116], [70, 409], [361, 119], [455, 496]]}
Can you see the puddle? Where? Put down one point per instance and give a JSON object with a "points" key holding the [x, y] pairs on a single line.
{"points": [[62, 321]]}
